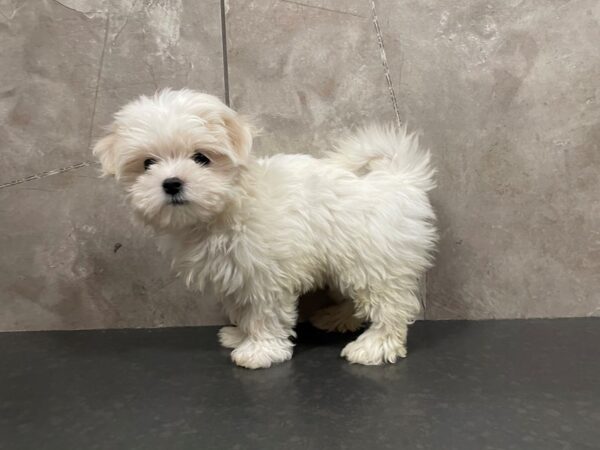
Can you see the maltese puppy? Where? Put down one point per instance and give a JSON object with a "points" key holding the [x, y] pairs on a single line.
{"points": [[259, 232]]}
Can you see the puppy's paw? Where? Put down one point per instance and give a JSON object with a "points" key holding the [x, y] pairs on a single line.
{"points": [[373, 348], [338, 318], [231, 337], [260, 354]]}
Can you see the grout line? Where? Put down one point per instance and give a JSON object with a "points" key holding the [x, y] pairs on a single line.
{"points": [[47, 173], [422, 294], [336, 11], [384, 62], [224, 50], [98, 78]]}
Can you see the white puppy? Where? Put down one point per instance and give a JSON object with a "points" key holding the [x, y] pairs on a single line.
{"points": [[262, 231]]}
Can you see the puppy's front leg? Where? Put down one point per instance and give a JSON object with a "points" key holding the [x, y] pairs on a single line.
{"points": [[267, 326]]}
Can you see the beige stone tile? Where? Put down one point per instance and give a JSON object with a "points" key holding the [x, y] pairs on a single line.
{"points": [[73, 258], [305, 73], [507, 96]]}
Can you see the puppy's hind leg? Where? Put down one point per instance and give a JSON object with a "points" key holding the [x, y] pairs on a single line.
{"points": [[339, 317], [266, 327], [385, 340], [231, 337]]}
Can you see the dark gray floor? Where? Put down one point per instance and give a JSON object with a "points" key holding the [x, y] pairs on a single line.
{"points": [[479, 385]]}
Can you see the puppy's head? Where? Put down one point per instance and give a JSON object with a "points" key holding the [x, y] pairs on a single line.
{"points": [[178, 154]]}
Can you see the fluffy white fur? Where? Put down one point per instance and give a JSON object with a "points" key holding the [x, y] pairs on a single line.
{"points": [[261, 231]]}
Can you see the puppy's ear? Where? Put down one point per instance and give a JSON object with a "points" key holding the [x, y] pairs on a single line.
{"points": [[240, 136], [105, 150]]}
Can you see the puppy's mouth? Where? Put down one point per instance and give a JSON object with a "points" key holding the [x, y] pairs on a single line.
{"points": [[177, 201]]}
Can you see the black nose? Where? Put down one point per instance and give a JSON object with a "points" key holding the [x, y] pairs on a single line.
{"points": [[172, 186]]}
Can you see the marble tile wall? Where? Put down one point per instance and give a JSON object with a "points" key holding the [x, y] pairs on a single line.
{"points": [[506, 94]]}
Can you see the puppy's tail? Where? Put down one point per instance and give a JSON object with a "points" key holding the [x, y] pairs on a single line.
{"points": [[387, 149]]}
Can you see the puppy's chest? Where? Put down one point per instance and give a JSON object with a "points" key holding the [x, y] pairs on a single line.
{"points": [[247, 264], [227, 263]]}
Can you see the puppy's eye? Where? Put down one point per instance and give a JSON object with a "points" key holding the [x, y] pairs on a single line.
{"points": [[199, 158], [148, 162]]}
